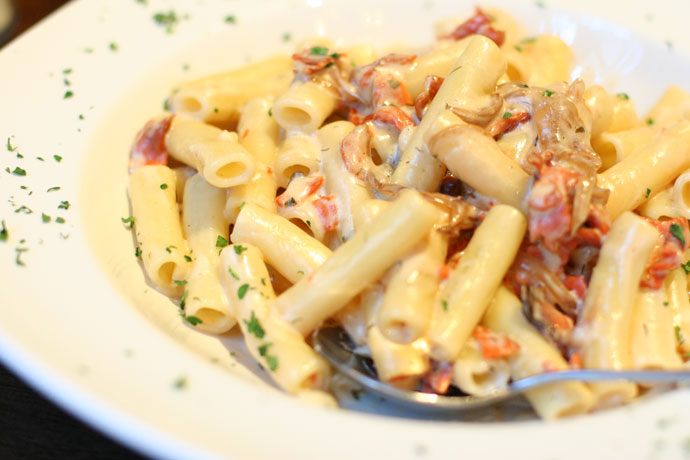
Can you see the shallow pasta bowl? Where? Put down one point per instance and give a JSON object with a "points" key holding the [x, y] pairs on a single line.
{"points": [[81, 324]]}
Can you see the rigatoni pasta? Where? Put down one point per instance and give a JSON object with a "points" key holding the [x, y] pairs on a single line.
{"points": [[468, 215]]}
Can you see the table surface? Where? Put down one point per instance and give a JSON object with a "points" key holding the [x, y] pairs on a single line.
{"points": [[32, 427]]}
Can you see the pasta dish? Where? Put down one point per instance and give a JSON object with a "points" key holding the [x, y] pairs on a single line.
{"points": [[468, 214]]}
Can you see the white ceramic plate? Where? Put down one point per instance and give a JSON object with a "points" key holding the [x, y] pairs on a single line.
{"points": [[79, 322]]}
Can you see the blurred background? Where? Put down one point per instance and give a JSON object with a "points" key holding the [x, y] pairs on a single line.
{"points": [[18, 15], [31, 427]]}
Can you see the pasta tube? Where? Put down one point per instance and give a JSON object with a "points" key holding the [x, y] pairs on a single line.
{"points": [[603, 329], [649, 168], [215, 153], [358, 262], [467, 293], [272, 342], [157, 226], [204, 226], [535, 356], [286, 247]]}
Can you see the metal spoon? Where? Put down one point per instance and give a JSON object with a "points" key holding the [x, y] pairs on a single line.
{"points": [[335, 345]]}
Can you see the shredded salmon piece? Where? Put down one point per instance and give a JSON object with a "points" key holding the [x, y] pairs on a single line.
{"points": [[432, 83], [494, 345], [668, 251], [308, 64], [550, 209], [479, 24], [505, 125], [390, 115], [438, 379], [444, 272], [328, 212], [575, 361], [149, 144]]}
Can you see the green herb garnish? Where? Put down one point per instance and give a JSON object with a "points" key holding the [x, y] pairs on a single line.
{"points": [[242, 291], [254, 326], [677, 231], [239, 249], [221, 242], [318, 50], [193, 320], [129, 220]]}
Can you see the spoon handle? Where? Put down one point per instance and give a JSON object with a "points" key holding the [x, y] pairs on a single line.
{"points": [[599, 375]]}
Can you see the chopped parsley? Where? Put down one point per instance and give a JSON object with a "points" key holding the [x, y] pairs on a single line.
{"points": [[3, 231], [10, 147], [242, 291], [183, 300], [254, 326], [164, 186], [287, 36], [60, 220], [547, 93], [64, 205], [318, 50], [40, 159], [677, 231], [221, 242], [444, 304], [45, 217], [272, 361], [18, 259], [180, 383], [647, 193], [168, 20], [57, 158], [518, 48], [230, 19], [665, 303], [270, 112], [113, 46], [67, 71], [623, 96], [53, 189], [234, 274], [686, 267], [170, 248], [239, 249], [263, 281], [68, 94], [19, 171], [393, 84], [507, 115], [649, 121], [129, 220], [187, 258], [528, 40], [23, 209], [308, 223], [679, 335], [137, 252], [180, 282], [540, 4], [193, 320]]}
